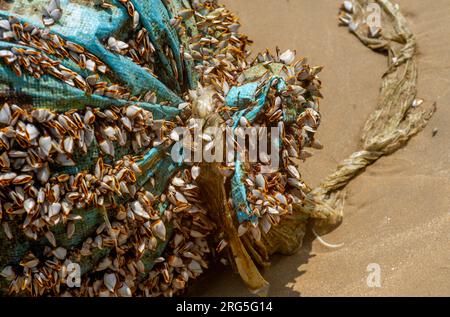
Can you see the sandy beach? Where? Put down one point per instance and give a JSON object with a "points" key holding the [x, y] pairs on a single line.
{"points": [[397, 213]]}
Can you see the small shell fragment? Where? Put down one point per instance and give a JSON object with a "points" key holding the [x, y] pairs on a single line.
{"points": [[195, 172], [288, 57], [110, 281], [159, 229], [348, 6], [60, 253], [417, 103]]}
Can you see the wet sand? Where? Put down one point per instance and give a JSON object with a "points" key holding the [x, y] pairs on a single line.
{"points": [[397, 213]]}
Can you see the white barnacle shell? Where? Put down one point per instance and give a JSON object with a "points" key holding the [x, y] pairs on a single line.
{"points": [[6, 53], [195, 267], [293, 171], [68, 144], [195, 172], [8, 273], [5, 112], [54, 209], [288, 57], [374, 31], [32, 131], [348, 6], [124, 291], [159, 229], [353, 26], [176, 181], [5, 25], [29, 204], [56, 14], [260, 181], [137, 208], [242, 229], [135, 19], [346, 19], [64, 160], [133, 111], [53, 5], [281, 198], [180, 197], [60, 253], [417, 103], [111, 41], [51, 238], [203, 104], [110, 281]]}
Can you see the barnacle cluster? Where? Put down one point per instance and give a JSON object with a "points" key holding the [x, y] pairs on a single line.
{"points": [[133, 224]]}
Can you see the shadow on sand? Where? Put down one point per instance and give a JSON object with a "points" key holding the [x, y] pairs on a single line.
{"points": [[221, 281]]}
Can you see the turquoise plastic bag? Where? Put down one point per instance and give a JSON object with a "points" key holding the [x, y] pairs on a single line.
{"points": [[89, 25]]}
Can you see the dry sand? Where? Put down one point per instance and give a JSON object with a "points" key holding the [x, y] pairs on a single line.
{"points": [[397, 213]]}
